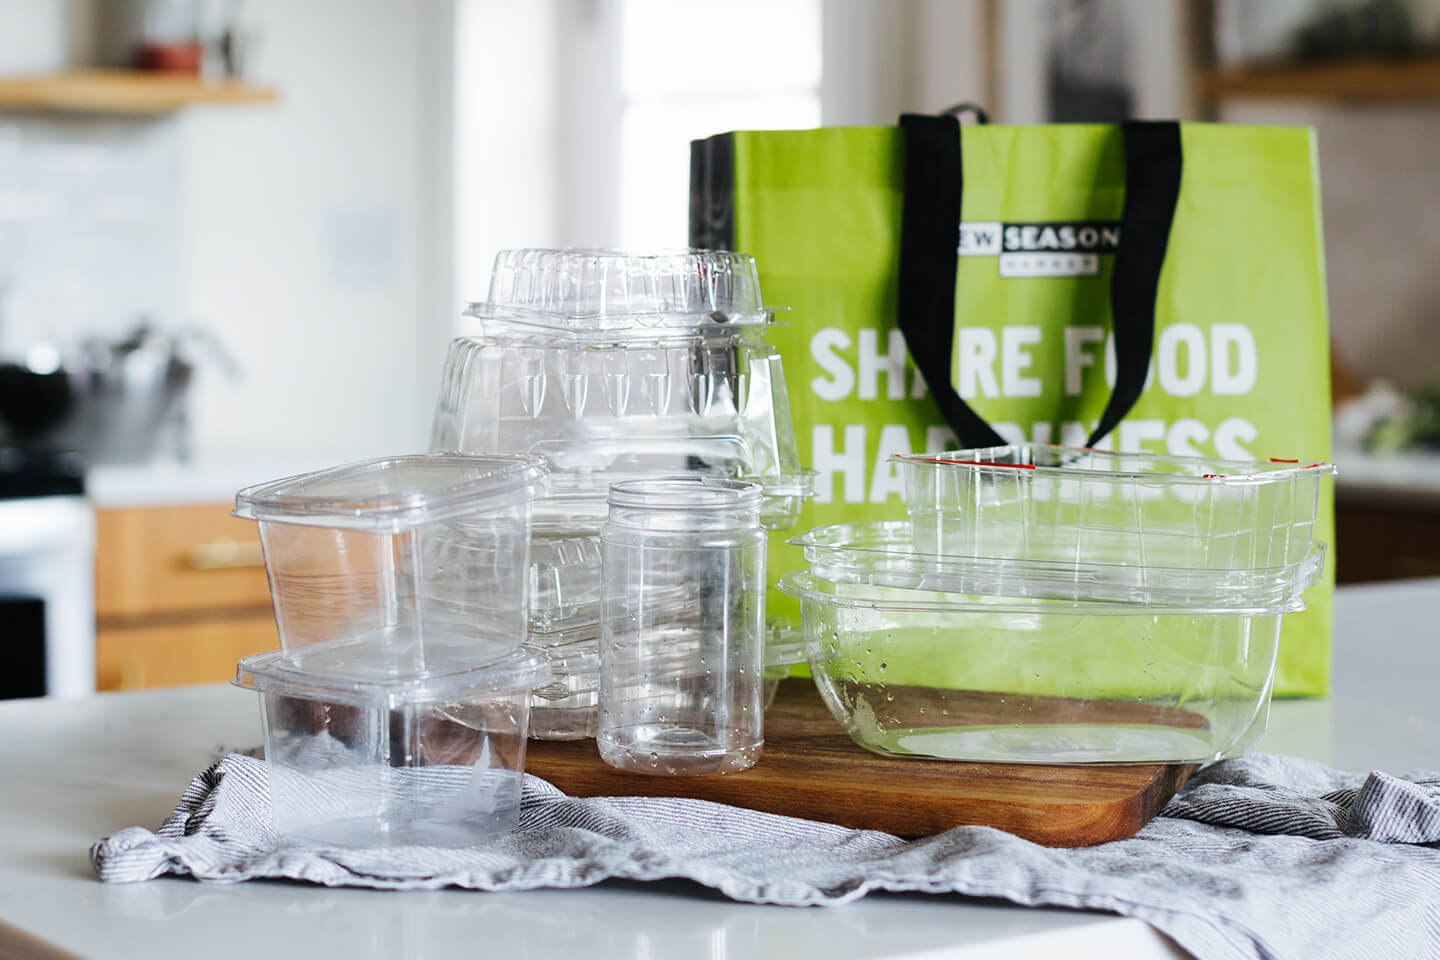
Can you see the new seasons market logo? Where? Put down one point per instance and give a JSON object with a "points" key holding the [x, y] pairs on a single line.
{"points": [[1070, 249]]}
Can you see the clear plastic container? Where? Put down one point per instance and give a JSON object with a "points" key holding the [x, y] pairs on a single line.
{"points": [[883, 554], [1012, 680], [399, 566], [662, 713], [1092, 506], [589, 290], [435, 760], [566, 708], [564, 583], [616, 367]]}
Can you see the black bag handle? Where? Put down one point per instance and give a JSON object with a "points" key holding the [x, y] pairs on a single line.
{"points": [[930, 236]]}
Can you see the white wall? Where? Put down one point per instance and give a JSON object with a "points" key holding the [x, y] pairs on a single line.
{"points": [[507, 156], [1379, 191], [308, 246], [310, 235]]}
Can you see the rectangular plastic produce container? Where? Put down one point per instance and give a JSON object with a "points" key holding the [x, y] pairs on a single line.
{"points": [[1012, 680], [399, 566], [618, 367], [435, 760], [1082, 505], [883, 554]]}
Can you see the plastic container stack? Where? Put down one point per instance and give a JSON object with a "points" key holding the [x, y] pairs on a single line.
{"points": [[617, 368], [397, 709], [1058, 605]]}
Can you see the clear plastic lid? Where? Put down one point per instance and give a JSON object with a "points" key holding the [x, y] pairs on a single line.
{"points": [[883, 554], [581, 291], [1086, 462], [523, 669], [396, 493]]}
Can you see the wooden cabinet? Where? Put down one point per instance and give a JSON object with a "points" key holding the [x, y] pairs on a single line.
{"points": [[1380, 540], [180, 595]]}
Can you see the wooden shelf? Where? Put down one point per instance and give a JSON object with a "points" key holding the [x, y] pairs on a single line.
{"points": [[1354, 80], [122, 91]]}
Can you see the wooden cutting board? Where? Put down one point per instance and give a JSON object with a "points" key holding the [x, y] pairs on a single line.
{"points": [[812, 769]]}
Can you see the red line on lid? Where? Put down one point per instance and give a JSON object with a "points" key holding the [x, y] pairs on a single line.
{"points": [[1321, 464], [1211, 476], [1278, 460]]}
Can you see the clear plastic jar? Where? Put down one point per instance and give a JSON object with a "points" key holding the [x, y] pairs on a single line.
{"points": [[682, 641]]}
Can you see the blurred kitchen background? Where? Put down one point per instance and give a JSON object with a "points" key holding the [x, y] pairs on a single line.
{"points": [[235, 236]]}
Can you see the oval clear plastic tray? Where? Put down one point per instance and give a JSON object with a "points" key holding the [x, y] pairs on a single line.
{"points": [[884, 554], [1010, 680], [1081, 505]]}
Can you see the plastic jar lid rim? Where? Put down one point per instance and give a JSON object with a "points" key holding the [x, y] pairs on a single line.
{"points": [[685, 493]]}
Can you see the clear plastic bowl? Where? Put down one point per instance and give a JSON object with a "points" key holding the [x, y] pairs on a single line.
{"points": [[621, 367], [399, 566], [435, 760], [566, 708], [883, 554], [1081, 505], [915, 673]]}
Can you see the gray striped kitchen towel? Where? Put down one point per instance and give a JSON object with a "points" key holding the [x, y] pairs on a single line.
{"points": [[1262, 856]]}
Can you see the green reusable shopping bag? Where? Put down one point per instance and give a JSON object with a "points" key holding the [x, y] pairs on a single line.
{"points": [[1146, 286]]}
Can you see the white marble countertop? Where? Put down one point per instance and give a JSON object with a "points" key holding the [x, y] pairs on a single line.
{"points": [[77, 770]]}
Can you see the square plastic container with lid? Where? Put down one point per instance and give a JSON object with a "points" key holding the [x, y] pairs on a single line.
{"points": [[1079, 505], [911, 672], [399, 566], [617, 367], [435, 760]]}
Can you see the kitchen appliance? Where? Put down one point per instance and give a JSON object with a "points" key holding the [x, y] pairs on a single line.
{"points": [[121, 402], [47, 570]]}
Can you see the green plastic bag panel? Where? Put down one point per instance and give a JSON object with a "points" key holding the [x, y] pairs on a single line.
{"points": [[1240, 366]]}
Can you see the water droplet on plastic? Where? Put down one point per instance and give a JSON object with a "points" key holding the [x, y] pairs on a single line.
{"points": [[884, 666], [889, 695]]}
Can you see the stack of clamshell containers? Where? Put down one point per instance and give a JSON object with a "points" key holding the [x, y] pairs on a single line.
{"points": [[620, 368]]}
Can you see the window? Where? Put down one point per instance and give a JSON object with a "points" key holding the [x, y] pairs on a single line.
{"points": [[689, 70]]}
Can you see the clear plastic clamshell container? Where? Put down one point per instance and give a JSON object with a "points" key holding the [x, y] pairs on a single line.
{"points": [[616, 366], [564, 582], [399, 566], [589, 290], [1093, 506], [883, 554], [566, 708], [1021, 680], [434, 760]]}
